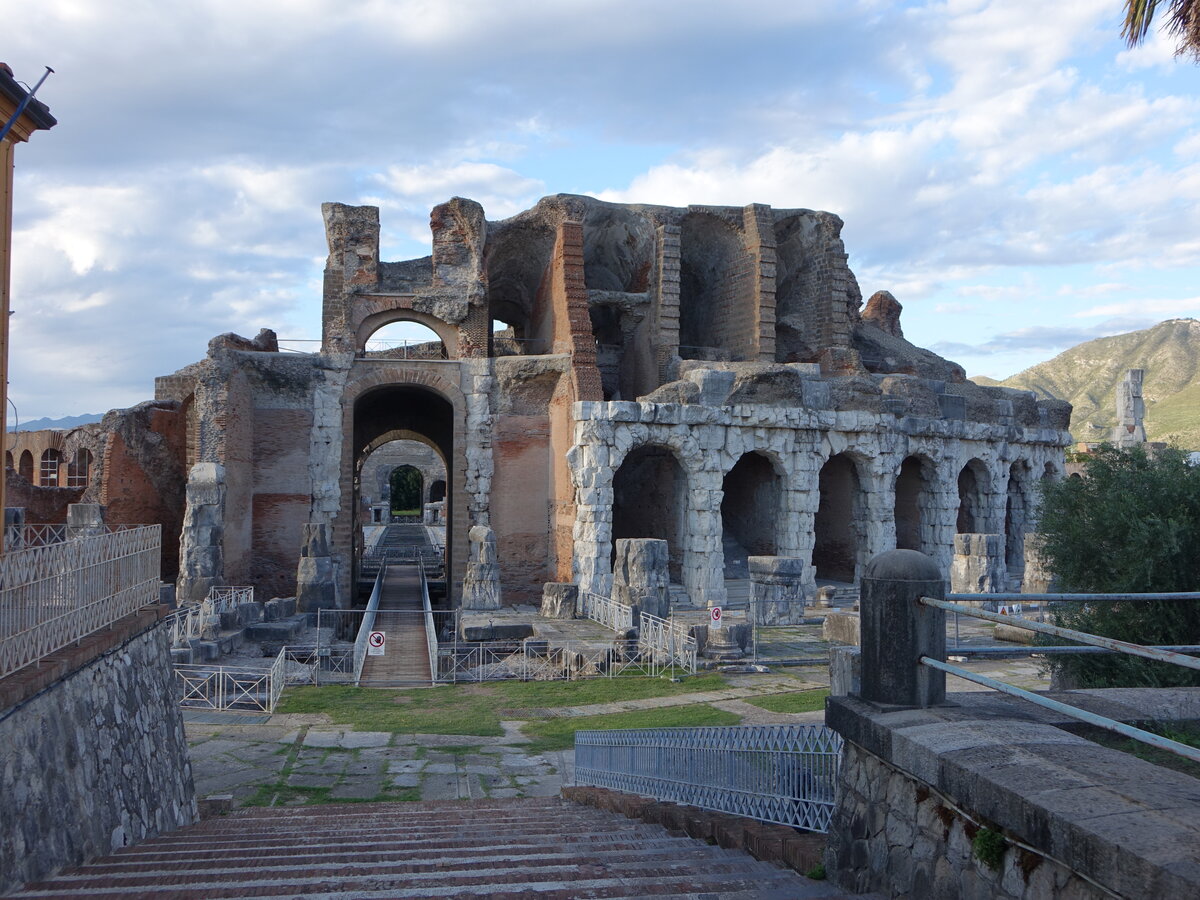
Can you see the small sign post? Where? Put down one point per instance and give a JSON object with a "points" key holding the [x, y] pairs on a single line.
{"points": [[715, 615], [375, 643]]}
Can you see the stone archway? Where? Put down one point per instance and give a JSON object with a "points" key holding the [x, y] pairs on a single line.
{"points": [[839, 527], [650, 501], [750, 508]]}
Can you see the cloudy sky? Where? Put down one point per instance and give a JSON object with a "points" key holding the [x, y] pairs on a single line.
{"points": [[1007, 169]]}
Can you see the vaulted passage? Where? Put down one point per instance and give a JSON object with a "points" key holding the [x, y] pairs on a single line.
{"points": [[401, 413], [749, 512], [839, 526], [1016, 520], [970, 497], [911, 500], [650, 500]]}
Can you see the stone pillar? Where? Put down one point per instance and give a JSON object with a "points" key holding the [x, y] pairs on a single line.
{"points": [[84, 519], [201, 559], [897, 630], [14, 527], [1037, 579], [316, 587], [978, 566], [640, 576], [559, 600], [481, 586], [1131, 410], [777, 594]]}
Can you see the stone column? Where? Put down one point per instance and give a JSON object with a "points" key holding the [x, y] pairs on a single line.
{"points": [[640, 576], [481, 586], [84, 519], [777, 595], [14, 527], [978, 566], [1037, 579], [897, 630], [201, 559], [316, 586], [559, 600]]}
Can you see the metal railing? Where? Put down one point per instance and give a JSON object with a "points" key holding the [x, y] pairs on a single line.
{"points": [[55, 595], [670, 641], [22, 537], [773, 773], [606, 611], [366, 626], [232, 687], [431, 641], [1111, 645], [538, 661], [227, 599], [417, 350]]}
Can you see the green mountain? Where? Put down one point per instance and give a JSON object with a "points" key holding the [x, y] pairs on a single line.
{"points": [[1088, 375]]}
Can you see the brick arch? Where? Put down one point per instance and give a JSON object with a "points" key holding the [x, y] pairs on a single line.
{"points": [[374, 321], [365, 379]]}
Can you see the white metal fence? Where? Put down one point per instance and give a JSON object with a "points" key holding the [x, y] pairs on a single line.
{"points": [[605, 610], [232, 687], [773, 773], [367, 625], [533, 660], [187, 622], [55, 595]]}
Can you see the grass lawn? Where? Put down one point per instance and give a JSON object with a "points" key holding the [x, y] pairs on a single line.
{"points": [[559, 734], [476, 708], [794, 702]]}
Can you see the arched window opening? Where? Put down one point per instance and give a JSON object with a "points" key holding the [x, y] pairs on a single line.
{"points": [[407, 487], [404, 340], [79, 469], [750, 511], [840, 524], [911, 487], [437, 491], [1017, 512], [970, 497], [48, 474], [650, 501], [25, 466]]}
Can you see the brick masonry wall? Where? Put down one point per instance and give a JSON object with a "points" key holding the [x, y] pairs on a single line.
{"points": [[95, 759]]}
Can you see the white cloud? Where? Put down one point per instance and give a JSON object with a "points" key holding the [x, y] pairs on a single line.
{"points": [[1188, 306]]}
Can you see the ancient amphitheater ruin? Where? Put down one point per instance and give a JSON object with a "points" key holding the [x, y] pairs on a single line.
{"points": [[708, 376]]}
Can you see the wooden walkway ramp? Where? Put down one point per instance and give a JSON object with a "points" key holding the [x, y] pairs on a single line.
{"points": [[400, 617]]}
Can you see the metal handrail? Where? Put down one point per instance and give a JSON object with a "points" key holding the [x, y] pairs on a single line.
{"points": [[1112, 645], [366, 626], [431, 641], [606, 611], [773, 773]]}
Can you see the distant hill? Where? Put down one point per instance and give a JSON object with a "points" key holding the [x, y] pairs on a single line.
{"points": [[1087, 375], [64, 423]]}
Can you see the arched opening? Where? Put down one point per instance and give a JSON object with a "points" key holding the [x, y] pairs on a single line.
{"points": [[1016, 519], [394, 414], [714, 292], [406, 488], [650, 501], [912, 486], [970, 497], [25, 466], [437, 491], [750, 510], [79, 469], [517, 256], [840, 523], [404, 340], [48, 472]]}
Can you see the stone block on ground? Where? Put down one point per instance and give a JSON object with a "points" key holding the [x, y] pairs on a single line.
{"points": [[978, 566], [640, 576], [777, 590], [559, 600], [842, 627]]}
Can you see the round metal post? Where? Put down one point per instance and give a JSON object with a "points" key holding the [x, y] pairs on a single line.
{"points": [[897, 630]]}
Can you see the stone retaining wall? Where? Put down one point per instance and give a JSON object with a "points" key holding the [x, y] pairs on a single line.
{"points": [[94, 759]]}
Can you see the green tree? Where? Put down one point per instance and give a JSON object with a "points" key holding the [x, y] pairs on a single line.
{"points": [[1182, 23], [1130, 524], [407, 486]]}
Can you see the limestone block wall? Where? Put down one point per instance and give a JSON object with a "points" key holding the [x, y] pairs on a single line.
{"points": [[93, 755], [707, 441]]}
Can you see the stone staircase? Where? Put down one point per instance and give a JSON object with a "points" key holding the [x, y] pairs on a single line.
{"points": [[547, 848]]}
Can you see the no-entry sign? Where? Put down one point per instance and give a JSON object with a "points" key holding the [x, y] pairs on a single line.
{"points": [[375, 643], [715, 614]]}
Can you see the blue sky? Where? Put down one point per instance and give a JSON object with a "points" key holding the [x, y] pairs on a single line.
{"points": [[1007, 169]]}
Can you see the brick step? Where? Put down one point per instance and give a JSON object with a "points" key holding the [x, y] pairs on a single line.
{"points": [[532, 853], [498, 849]]}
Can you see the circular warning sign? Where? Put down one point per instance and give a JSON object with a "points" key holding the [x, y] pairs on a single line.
{"points": [[375, 642], [715, 613]]}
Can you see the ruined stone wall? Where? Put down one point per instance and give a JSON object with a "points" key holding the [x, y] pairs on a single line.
{"points": [[93, 755], [707, 441]]}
